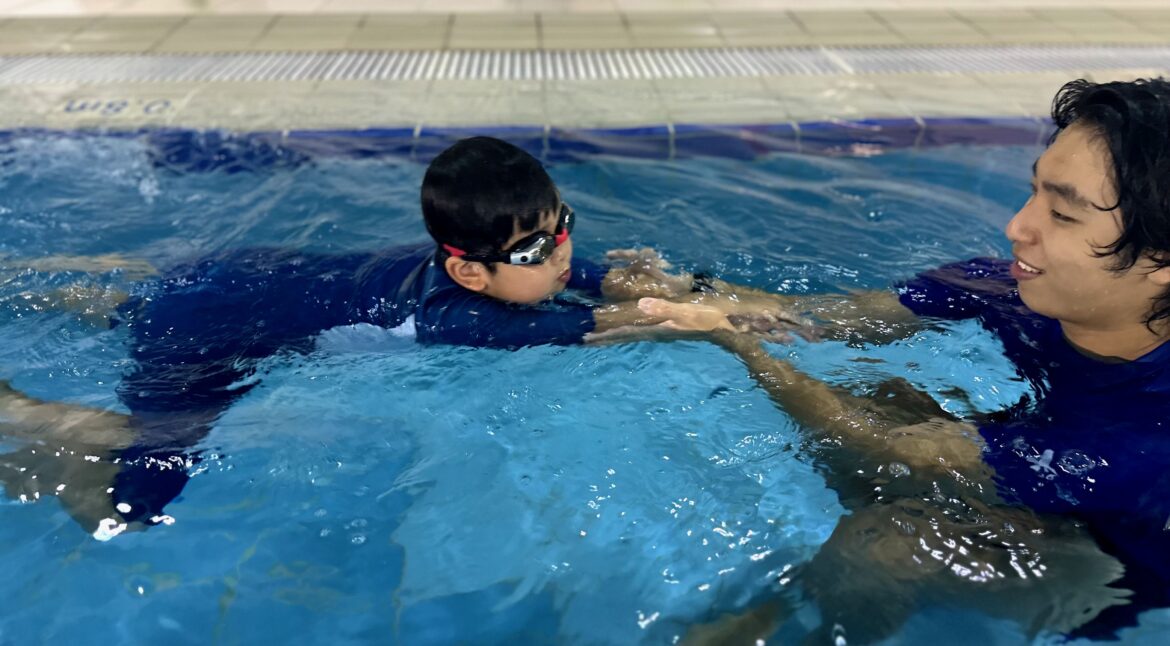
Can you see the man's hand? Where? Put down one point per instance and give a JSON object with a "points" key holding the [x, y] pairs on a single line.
{"points": [[764, 314], [766, 318], [641, 255]]}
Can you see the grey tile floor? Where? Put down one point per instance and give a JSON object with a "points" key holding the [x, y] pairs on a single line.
{"points": [[58, 27]]}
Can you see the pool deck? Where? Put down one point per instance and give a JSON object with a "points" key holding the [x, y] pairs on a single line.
{"points": [[161, 28]]}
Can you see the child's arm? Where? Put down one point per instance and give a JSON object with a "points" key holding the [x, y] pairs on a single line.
{"points": [[462, 317], [640, 321], [656, 318]]}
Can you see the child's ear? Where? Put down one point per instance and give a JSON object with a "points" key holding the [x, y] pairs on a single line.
{"points": [[469, 275]]}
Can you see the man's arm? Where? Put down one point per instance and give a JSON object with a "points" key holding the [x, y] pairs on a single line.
{"points": [[875, 316], [868, 316], [925, 524], [863, 427]]}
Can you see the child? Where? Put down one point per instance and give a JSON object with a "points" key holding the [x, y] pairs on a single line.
{"points": [[493, 276]]}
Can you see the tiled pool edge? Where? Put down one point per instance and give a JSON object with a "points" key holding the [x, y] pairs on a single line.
{"points": [[571, 65], [746, 141]]}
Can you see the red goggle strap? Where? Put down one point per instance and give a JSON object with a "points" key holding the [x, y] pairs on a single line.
{"points": [[559, 238]]}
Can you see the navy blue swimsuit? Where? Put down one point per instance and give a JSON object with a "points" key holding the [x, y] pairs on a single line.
{"points": [[1095, 443], [197, 333]]}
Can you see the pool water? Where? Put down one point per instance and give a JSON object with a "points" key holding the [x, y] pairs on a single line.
{"points": [[380, 491]]}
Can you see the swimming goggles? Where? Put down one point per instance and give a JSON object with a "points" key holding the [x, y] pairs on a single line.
{"points": [[534, 249]]}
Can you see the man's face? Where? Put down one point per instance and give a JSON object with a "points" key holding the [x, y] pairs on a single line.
{"points": [[1057, 232], [532, 283]]}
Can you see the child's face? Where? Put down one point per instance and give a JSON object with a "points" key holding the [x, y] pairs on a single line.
{"points": [[532, 283]]}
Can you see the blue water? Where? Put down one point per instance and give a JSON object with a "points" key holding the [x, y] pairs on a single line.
{"points": [[380, 492]]}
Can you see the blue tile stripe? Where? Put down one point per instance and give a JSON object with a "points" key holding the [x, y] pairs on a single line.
{"points": [[196, 150]]}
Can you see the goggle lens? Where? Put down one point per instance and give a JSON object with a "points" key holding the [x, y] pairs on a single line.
{"points": [[535, 249]]}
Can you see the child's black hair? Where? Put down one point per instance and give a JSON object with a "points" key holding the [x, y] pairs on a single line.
{"points": [[480, 191]]}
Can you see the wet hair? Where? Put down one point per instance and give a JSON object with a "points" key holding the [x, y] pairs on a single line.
{"points": [[480, 191], [1132, 120]]}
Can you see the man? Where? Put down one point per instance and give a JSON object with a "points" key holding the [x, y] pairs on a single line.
{"points": [[1083, 311]]}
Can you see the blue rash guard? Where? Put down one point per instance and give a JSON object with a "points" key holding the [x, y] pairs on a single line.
{"points": [[197, 333], [1095, 443]]}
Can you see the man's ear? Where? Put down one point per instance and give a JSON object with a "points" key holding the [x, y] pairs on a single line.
{"points": [[1161, 275], [469, 275]]}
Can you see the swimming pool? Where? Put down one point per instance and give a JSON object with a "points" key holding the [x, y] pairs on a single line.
{"points": [[375, 490]]}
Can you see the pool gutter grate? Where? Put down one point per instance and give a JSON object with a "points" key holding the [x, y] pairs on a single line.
{"points": [[570, 65]]}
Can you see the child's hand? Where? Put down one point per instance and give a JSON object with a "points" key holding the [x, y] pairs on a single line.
{"points": [[644, 275], [644, 254], [688, 317]]}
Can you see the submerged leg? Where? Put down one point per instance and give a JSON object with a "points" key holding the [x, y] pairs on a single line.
{"points": [[29, 419], [131, 269], [750, 627], [69, 453], [883, 562], [93, 304]]}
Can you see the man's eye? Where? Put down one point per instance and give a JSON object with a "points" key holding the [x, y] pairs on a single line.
{"points": [[1060, 217]]}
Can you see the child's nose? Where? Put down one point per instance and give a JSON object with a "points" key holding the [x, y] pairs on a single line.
{"points": [[563, 250]]}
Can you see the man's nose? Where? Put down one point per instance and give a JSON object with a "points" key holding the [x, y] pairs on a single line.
{"points": [[1020, 228]]}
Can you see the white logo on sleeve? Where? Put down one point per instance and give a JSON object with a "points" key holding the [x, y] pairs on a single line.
{"points": [[1043, 464]]}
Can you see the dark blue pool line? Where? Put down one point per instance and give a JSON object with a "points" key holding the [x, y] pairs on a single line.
{"points": [[861, 137], [196, 150]]}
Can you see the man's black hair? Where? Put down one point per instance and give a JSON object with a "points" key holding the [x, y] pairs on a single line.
{"points": [[1132, 120], [478, 192]]}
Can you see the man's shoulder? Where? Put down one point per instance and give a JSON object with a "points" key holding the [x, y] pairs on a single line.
{"points": [[963, 289], [975, 274]]}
